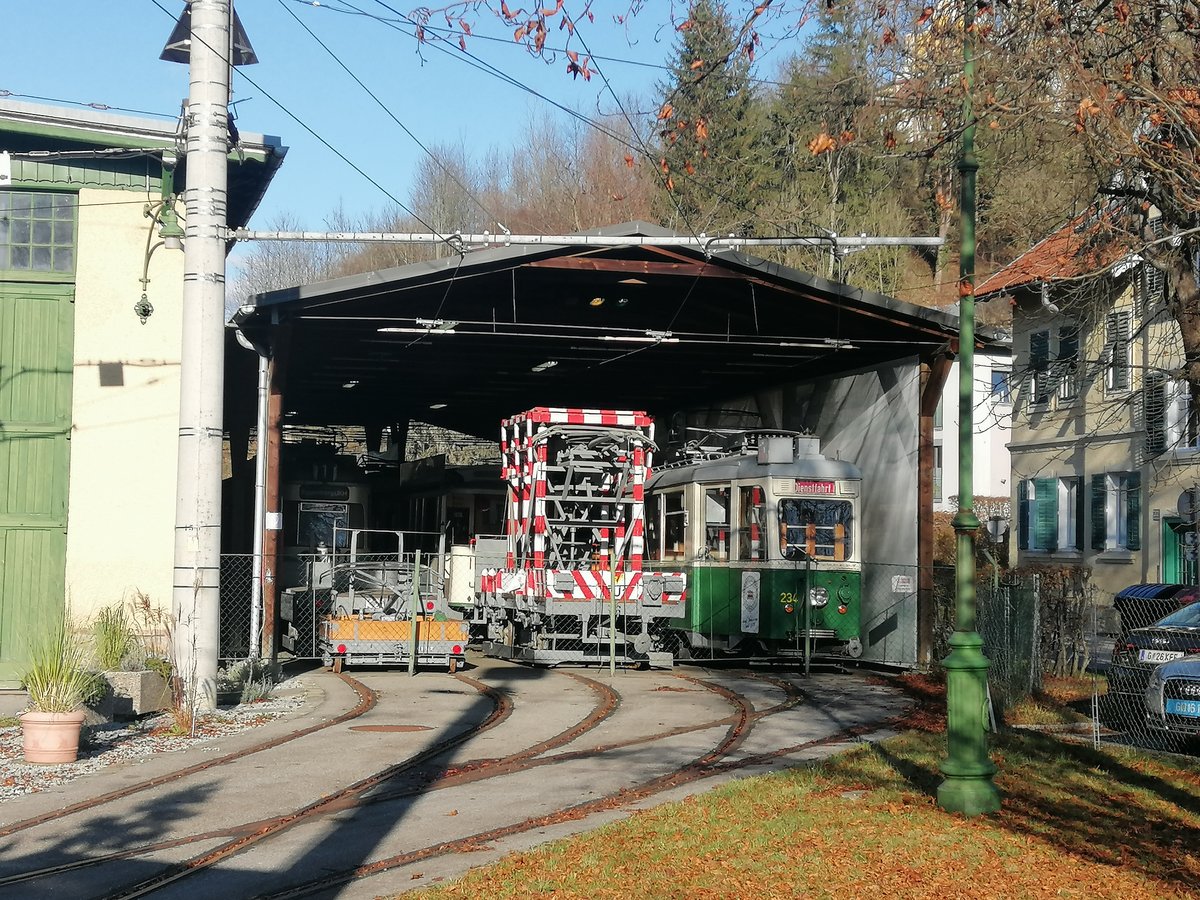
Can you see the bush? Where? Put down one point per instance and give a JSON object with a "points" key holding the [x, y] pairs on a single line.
{"points": [[162, 666], [254, 678], [95, 687]]}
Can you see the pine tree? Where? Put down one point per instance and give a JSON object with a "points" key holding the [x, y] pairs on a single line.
{"points": [[707, 128]]}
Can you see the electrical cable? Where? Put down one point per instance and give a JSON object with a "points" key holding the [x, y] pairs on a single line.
{"points": [[447, 32], [467, 191], [319, 138], [101, 107]]}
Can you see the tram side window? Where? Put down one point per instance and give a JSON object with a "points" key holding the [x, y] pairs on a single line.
{"points": [[751, 519], [653, 528], [716, 523], [675, 526], [821, 528]]}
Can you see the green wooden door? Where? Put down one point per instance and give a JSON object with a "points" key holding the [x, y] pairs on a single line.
{"points": [[36, 336], [1179, 552]]}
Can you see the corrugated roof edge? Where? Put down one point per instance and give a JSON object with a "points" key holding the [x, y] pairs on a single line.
{"points": [[100, 129], [939, 318], [90, 122]]}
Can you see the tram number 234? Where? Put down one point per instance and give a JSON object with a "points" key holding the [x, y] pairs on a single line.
{"points": [[790, 598]]}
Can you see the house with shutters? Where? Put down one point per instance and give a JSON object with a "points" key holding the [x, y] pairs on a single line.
{"points": [[1099, 447], [89, 395]]}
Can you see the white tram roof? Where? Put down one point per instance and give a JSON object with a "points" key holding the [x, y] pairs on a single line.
{"points": [[746, 466]]}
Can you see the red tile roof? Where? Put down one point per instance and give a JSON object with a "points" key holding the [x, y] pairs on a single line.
{"points": [[1087, 243]]}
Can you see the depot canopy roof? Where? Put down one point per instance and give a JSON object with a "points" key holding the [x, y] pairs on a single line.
{"points": [[467, 340]]}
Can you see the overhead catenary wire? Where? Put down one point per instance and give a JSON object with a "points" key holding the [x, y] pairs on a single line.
{"points": [[446, 169], [325, 143], [457, 52], [486, 238]]}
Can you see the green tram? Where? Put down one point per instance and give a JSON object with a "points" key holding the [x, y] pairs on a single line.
{"points": [[768, 535]]}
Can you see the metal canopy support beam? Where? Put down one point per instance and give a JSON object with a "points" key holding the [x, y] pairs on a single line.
{"points": [[689, 268]]}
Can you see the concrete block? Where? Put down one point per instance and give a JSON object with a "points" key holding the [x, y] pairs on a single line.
{"points": [[138, 693]]}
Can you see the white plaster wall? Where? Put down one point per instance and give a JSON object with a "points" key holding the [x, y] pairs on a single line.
{"points": [[121, 510], [992, 431]]}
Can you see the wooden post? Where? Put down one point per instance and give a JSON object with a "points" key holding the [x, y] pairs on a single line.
{"points": [[272, 557]]}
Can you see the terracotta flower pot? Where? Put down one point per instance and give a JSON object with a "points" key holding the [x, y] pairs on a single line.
{"points": [[51, 737]]}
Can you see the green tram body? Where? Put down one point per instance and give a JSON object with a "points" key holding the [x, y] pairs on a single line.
{"points": [[736, 525]]}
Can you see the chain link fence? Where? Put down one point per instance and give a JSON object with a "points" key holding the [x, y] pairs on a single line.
{"points": [[1066, 660], [237, 578]]}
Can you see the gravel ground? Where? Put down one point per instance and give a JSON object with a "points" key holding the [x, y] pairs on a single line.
{"points": [[118, 743]]}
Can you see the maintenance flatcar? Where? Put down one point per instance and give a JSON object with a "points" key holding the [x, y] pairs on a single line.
{"points": [[767, 534]]}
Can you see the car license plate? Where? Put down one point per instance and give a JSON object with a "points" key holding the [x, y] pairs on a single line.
{"points": [[1183, 708], [1158, 656]]}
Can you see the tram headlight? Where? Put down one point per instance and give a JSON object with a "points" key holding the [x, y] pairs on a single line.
{"points": [[818, 596]]}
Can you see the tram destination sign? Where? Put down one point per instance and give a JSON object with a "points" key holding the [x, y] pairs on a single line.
{"points": [[815, 487]]}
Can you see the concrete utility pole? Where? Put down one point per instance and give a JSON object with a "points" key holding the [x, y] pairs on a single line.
{"points": [[968, 787], [196, 592]]}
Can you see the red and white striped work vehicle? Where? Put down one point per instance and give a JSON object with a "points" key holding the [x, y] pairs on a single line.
{"points": [[575, 527]]}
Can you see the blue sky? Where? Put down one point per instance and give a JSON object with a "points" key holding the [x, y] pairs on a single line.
{"points": [[107, 52]]}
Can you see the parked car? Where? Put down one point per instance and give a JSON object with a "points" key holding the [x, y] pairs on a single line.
{"points": [[1173, 698], [1141, 605], [1138, 652]]}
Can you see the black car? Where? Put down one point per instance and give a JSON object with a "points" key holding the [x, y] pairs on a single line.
{"points": [[1141, 605], [1138, 652], [1173, 698]]}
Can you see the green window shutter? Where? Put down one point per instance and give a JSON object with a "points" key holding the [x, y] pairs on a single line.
{"points": [[1133, 510], [1024, 500], [1045, 529], [1154, 281], [1077, 487], [1099, 526], [1116, 346]]}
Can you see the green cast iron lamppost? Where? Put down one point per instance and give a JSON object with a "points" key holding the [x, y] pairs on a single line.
{"points": [[968, 787]]}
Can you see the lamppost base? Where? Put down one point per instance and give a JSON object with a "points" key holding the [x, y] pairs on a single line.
{"points": [[972, 795], [968, 787]]}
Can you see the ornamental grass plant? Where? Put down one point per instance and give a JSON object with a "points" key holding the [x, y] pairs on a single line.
{"points": [[114, 637], [57, 679]]}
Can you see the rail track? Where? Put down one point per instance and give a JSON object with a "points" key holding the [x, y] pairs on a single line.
{"points": [[418, 776]]}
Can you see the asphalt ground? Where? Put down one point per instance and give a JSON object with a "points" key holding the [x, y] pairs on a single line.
{"points": [[442, 774]]}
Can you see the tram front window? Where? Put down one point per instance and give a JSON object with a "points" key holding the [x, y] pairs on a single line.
{"points": [[821, 528]]}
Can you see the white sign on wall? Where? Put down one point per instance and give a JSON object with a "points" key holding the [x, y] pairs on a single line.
{"points": [[902, 584]]}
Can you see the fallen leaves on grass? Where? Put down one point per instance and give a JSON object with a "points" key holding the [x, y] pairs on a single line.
{"points": [[1076, 822]]}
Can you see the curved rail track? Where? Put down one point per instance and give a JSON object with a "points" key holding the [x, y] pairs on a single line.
{"points": [[366, 702], [381, 786]]}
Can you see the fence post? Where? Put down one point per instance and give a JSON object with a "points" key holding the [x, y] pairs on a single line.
{"points": [[416, 605]]}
